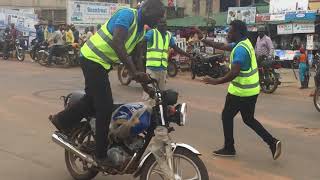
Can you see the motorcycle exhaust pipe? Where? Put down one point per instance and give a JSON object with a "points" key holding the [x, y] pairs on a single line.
{"points": [[58, 139]]}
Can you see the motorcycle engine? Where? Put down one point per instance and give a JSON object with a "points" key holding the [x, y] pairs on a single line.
{"points": [[119, 155]]}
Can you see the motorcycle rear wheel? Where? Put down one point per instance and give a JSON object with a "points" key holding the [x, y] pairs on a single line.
{"points": [[272, 86], [42, 58], [172, 69], [149, 167], [316, 99], [78, 169]]}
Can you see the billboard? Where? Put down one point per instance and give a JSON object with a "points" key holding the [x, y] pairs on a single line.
{"points": [[280, 6], [86, 13], [245, 14]]}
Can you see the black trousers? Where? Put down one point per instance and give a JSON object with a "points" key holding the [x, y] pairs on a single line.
{"points": [[98, 101], [246, 106]]}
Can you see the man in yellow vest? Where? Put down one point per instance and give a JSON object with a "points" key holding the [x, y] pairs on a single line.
{"points": [[243, 90], [159, 41], [119, 37]]}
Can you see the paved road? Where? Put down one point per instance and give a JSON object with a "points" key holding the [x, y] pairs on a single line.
{"points": [[29, 93]]}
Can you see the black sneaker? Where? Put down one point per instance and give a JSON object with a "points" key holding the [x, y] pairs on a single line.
{"points": [[225, 152], [275, 148]]}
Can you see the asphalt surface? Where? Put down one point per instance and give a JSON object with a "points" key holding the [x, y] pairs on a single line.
{"points": [[29, 93]]}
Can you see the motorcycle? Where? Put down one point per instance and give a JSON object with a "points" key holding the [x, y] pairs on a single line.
{"points": [[62, 55], [269, 78], [316, 96], [19, 51], [208, 65], [33, 49], [128, 145]]}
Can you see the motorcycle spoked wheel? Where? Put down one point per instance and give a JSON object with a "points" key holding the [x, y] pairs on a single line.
{"points": [[172, 69], [150, 167], [271, 86], [42, 58], [123, 75], [20, 54], [316, 99], [77, 168]]}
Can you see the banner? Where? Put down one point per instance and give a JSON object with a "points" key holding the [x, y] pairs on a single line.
{"points": [[86, 13], [277, 17], [302, 15], [303, 28], [281, 6], [245, 14], [262, 18], [310, 42], [284, 29]]}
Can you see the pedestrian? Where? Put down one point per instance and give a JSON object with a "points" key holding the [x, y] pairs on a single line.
{"points": [[243, 90], [76, 34], [49, 30], [264, 46], [7, 41], [303, 69], [158, 42], [69, 35], [126, 32]]}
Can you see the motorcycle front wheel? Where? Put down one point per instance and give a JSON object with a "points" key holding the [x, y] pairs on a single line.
{"points": [[123, 75], [172, 69], [316, 99], [186, 165], [20, 54], [270, 84], [43, 58]]}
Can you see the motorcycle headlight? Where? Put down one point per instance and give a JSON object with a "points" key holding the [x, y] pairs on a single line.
{"points": [[183, 114]]}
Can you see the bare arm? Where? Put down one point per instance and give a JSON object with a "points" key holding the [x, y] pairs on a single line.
{"points": [[118, 45], [217, 45], [180, 51], [231, 75], [137, 56]]}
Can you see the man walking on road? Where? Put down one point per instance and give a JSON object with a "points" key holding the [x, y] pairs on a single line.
{"points": [[120, 36], [243, 90], [159, 40]]}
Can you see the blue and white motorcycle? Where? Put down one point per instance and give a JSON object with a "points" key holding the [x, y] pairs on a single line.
{"points": [[140, 143]]}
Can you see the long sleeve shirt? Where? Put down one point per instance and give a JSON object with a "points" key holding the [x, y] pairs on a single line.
{"points": [[264, 46]]}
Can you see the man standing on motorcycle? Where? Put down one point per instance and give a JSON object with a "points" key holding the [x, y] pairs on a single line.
{"points": [[243, 90], [120, 36], [159, 42]]}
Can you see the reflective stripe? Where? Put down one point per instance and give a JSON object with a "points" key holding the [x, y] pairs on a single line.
{"points": [[248, 74], [156, 59], [98, 52], [104, 36], [155, 50], [246, 86], [157, 40]]}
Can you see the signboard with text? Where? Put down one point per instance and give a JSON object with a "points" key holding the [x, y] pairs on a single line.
{"points": [[284, 29], [86, 13], [281, 6], [303, 27], [245, 14]]}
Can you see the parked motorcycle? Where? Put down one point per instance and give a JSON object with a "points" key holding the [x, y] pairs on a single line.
{"points": [[62, 55], [316, 97], [208, 65], [19, 51], [128, 150], [269, 78]]}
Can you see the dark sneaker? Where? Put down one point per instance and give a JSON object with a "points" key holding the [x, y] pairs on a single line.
{"points": [[225, 152], [275, 148]]}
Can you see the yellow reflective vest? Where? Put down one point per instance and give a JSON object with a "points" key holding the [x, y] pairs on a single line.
{"points": [[246, 84], [157, 54], [98, 48]]}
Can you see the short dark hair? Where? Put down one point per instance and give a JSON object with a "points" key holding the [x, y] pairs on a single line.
{"points": [[240, 27]]}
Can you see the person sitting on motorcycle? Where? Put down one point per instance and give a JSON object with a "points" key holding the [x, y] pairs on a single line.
{"points": [[69, 35], [264, 47], [303, 68], [54, 43], [7, 41], [158, 51], [39, 38], [120, 36]]}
